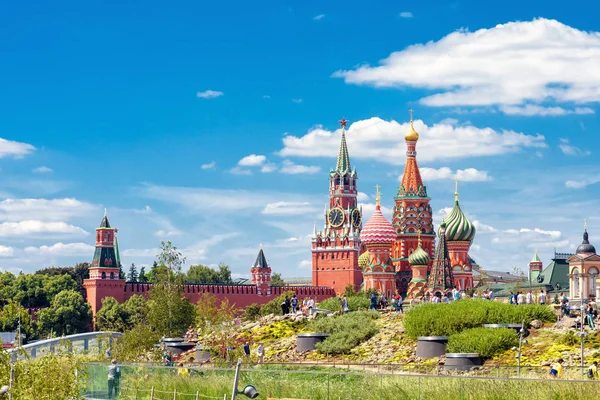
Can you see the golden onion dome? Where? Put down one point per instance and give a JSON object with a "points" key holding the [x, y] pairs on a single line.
{"points": [[411, 135], [363, 260]]}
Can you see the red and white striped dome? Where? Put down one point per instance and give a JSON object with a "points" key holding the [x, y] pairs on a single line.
{"points": [[378, 230]]}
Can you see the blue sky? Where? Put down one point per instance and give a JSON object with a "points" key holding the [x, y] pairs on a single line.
{"points": [[214, 125]]}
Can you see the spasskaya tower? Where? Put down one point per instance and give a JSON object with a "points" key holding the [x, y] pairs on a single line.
{"points": [[336, 248]]}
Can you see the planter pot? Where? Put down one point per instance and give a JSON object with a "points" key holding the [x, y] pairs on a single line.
{"points": [[177, 345], [431, 346], [462, 361], [308, 341], [202, 355]]}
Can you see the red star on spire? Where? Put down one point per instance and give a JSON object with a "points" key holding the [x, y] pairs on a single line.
{"points": [[343, 122]]}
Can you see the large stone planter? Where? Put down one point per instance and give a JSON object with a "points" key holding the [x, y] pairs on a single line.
{"points": [[202, 355], [177, 345], [431, 346], [462, 361], [308, 341]]}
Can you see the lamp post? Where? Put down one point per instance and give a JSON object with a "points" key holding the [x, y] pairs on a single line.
{"points": [[521, 342], [582, 334], [248, 391]]}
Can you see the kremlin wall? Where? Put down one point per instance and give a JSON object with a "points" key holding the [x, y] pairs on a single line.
{"points": [[400, 256]]}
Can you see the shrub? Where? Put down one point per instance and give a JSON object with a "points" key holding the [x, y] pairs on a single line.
{"points": [[346, 331], [355, 303], [448, 319], [569, 339], [252, 312], [484, 341]]}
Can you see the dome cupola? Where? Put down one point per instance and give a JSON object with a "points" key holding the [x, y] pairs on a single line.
{"points": [[585, 247], [419, 256], [378, 230], [363, 260], [411, 135], [458, 226]]}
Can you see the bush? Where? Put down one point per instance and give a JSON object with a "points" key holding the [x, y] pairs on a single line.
{"points": [[487, 342], [448, 319], [569, 339], [346, 331], [252, 312], [355, 303]]}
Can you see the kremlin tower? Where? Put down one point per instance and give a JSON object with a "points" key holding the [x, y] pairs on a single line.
{"points": [[336, 249], [378, 235], [104, 278], [261, 274], [459, 236], [535, 267], [412, 214]]}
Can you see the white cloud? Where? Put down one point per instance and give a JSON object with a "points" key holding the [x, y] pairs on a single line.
{"points": [[571, 150], [253, 160], [270, 167], [516, 63], [463, 175], [297, 101], [406, 14], [483, 228], [583, 183], [288, 208], [369, 208], [362, 197], [43, 209], [319, 17], [305, 264], [530, 110], [42, 170], [210, 165], [32, 228], [62, 249], [209, 94], [384, 141], [240, 171], [6, 251], [291, 168], [266, 96], [14, 149]]}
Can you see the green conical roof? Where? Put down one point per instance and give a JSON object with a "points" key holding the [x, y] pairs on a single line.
{"points": [[343, 161], [419, 257], [536, 258]]}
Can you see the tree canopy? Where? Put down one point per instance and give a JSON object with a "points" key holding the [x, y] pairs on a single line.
{"points": [[203, 274]]}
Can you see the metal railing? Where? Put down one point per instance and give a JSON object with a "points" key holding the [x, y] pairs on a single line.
{"points": [[84, 340]]}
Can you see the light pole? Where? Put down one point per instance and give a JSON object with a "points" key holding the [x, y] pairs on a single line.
{"points": [[521, 342], [248, 391], [582, 334]]}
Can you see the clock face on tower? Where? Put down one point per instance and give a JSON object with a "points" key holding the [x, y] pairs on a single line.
{"points": [[336, 217], [356, 218]]}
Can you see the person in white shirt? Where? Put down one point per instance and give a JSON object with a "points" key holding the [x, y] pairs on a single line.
{"points": [[520, 298], [463, 295], [529, 299], [542, 297]]}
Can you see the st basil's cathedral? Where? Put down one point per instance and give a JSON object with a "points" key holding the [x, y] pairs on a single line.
{"points": [[398, 256]]}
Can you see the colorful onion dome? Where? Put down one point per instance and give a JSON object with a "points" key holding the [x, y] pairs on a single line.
{"points": [[411, 135], [419, 257], [363, 260], [378, 230], [458, 226]]}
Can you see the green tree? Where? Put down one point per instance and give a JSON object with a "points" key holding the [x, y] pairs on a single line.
{"points": [[53, 285], [136, 310], [7, 287], [30, 291], [171, 258], [169, 311], [142, 278], [81, 271], [111, 316], [9, 319], [203, 274], [68, 314], [133, 275], [210, 313], [276, 280]]}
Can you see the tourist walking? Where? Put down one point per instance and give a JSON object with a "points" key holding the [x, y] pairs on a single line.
{"points": [[592, 372], [542, 297], [260, 352], [114, 374], [520, 298], [345, 308], [373, 304], [529, 299], [557, 369], [294, 303], [247, 349], [511, 297], [399, 303]]}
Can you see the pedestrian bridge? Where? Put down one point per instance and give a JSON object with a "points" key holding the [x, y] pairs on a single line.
{"points": [[81, 342]]}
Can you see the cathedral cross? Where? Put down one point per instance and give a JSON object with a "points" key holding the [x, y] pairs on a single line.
{"points": [[411, 114]]}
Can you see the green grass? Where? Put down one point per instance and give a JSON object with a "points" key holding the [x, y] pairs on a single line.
{"points": [[346, 331], [448, 319], [484, 341], [335, 385]]}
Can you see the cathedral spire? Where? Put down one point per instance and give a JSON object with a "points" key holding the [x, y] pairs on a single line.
{"points": [[411, 184], [343, 161], [377, 197]]}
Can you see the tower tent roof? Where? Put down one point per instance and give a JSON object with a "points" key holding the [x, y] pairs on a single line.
{"points": [[343, 161], [104, 223], [536, 258], [261, 260]]}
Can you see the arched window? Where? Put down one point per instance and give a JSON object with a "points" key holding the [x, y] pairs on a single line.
{"points": [[104, 275], [112, 275], [593, 271]]}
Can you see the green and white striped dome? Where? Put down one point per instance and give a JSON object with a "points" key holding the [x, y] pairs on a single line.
{"points": [[458, 226], [363, 260], [419, 257]]}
